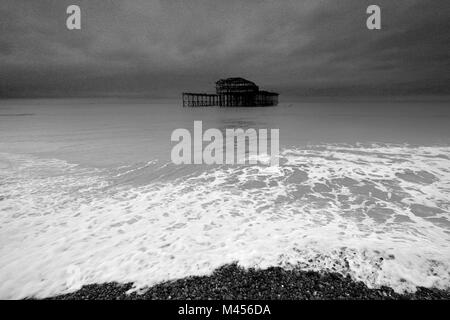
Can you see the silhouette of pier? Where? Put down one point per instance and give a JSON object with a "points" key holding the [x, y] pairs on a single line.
{"points": [[232, 92]]}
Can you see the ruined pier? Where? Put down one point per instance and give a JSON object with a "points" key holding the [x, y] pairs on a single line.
{"points": [[232, 92]]}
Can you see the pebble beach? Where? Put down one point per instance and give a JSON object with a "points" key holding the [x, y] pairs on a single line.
{"points": [[232, 282]]}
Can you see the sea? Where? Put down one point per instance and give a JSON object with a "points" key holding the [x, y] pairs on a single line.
{"points": [[89, 194]]}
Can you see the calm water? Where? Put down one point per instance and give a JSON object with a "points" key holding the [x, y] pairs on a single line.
{"points": [[88, 194]]}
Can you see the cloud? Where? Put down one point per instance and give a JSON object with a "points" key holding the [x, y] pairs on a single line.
{"points": [[160, 48]]}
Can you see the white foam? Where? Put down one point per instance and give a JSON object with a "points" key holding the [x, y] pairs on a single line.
{"points": [[339, 208]]}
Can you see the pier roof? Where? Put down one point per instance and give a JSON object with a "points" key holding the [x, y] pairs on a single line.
{"points": [[235, 81]]}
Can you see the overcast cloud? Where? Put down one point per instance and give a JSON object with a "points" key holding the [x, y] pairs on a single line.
{"points": [[161, 48]]}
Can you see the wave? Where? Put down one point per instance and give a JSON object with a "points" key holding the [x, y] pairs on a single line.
{"points": [[378, 213]]}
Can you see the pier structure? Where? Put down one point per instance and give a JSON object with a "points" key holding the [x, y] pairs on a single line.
{"points": [[199, 99], [232, 92], [266, 98]]}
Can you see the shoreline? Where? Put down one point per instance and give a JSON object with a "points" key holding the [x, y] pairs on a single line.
{"points": [[231, 282]]}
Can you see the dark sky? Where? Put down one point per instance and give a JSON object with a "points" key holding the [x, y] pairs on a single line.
{"points": [[161, 48]]}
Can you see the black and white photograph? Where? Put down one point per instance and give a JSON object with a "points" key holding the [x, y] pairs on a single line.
{"points": [[195, 150]]}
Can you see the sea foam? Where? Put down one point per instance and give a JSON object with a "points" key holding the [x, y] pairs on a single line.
{"points": [[378, 213]]}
